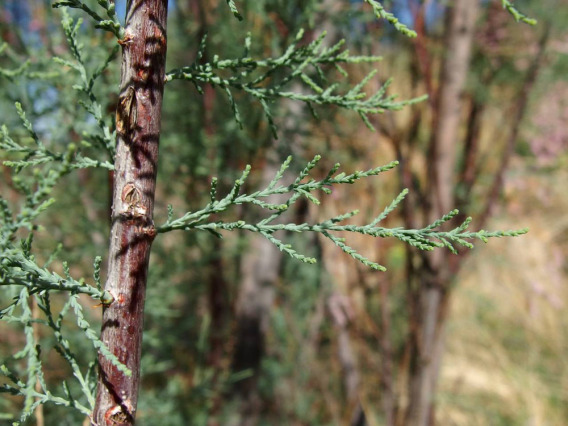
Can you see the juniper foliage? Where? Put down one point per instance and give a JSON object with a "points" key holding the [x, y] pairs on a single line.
{"points": [[39, 164]]}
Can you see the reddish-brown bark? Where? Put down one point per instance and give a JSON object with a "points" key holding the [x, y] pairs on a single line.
{"points": [[138, 129]]}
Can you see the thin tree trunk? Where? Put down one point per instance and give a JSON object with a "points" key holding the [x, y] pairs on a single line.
{"points": [[386, 351], [38, 412], [520, 111], [132, 231], [434, 274], [455, 66], [260, 268], [342, 314]]}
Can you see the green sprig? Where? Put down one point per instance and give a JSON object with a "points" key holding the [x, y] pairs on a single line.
{"points": [[234, 10], [519, 17], [381, 13], [257, 78], [17, 269], [112, 24], [427, 238]]}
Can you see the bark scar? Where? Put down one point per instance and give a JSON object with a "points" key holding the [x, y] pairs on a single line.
{"points": [[132, 197], [120, 414], [127, 111], [128, 39], [148, 231]]}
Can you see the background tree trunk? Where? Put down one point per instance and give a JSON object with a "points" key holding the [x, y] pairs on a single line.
{"points": [[138, 128], [260, 269], [434, 275]]}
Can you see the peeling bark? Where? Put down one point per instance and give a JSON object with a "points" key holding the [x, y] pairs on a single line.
{"points": [[132, 231]]}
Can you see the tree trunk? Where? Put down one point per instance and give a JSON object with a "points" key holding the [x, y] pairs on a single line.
{"points": [[521, 106], [260, 268], [434, 275], [443, 155], [132, 231], [341, 313]]}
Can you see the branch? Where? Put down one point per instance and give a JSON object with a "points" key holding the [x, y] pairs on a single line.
{"points": [[112, 24], [257, 78], [18, 269], [234, 10], [37, 153], [33, 394], [381, 13], [519, 17], [427, 238]]}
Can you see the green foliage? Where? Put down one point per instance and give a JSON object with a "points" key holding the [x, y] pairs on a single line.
{"points": [[255, 78], [381, 13], [112, 24], [427, 238], [519, 17], [40, 161], [19, 268], [234, 10]]}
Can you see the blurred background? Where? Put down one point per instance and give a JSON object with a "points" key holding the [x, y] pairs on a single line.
{"points": [[237, 333]]}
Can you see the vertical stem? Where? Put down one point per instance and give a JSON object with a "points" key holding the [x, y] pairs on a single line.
{"points": [[40, 418], [132, 231], [432, 292], [386, 351], [522, 103], [443, 150]]}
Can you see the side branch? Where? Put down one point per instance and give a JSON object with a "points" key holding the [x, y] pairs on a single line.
{"points": [[268, 79], [427, 238]]}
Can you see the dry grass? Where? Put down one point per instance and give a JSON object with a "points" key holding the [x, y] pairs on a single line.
{"points": [[508, 332]]}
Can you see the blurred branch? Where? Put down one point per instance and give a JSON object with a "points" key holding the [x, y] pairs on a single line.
{"points": [[256, 78], [521, 108], [381, 13], [519, 17]]}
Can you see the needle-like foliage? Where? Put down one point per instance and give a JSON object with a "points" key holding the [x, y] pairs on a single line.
{"points": [[299, 63], [427, 238], [38, 163], [519, 16]]}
